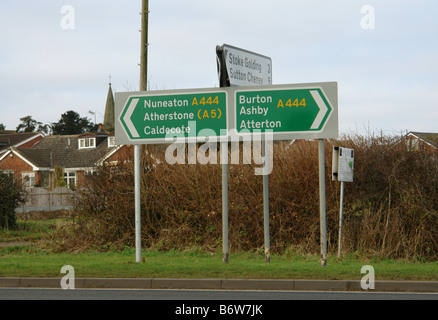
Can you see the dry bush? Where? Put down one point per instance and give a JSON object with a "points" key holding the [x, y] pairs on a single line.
{"points": [[390, 210], [392, 206]]}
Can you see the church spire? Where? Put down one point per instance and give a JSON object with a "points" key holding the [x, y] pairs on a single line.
{"points": [[108, 120]]}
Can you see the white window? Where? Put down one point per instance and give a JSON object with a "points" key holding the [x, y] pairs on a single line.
{"points": [[90, 172], [8, 172], [111, 142], [45, 179], [70, 179], [412, 144], [87, 143], [28, 179]]}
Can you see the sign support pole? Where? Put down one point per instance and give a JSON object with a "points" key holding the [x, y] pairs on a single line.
{"points": [[137, 203], [322, 203], [224, 150], [340, 219], [342, 170], [266, 201], [143, 87]]}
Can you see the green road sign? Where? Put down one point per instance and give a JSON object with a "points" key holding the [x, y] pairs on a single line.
{"points": [[151, 118], [291, 111], [281, 110]]}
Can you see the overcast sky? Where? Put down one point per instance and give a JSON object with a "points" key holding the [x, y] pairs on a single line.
{"points": [[383, 54]]}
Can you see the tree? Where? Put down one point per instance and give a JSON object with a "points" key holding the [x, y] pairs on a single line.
{"points": [[2, 126], [11, 195], [28, 124], [45, 128], [72, 123], [59, 177]]}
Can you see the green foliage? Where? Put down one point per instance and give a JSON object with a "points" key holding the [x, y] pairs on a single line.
{"points": [[30, 125], [72, 123], [10, 195], [59, 177]]}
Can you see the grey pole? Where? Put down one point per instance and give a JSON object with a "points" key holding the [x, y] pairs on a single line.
{"points": [[340, 219], [224, 157], [225, 206], [137, 203], [266, 202], [143, 87], [322, 202]]}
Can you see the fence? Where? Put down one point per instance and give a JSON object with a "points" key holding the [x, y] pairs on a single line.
{"points": [[40, 199]]}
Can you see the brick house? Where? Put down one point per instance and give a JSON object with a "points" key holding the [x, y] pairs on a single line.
{"points": [[426, 141], [48, 161], [18, 140], [73, 156]]}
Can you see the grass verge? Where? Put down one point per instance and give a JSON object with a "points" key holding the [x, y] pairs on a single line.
{"points": [[25, 262], [32, 261]]}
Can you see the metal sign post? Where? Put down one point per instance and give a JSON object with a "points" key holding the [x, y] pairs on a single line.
{"points": [[137, 194], [322, 202], [342, 170], [143, 86], [341, 209], [266, 202], [239, 67], [223, 82]]}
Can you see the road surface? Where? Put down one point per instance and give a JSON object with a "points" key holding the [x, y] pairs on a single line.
{"points": [[193, 295]]}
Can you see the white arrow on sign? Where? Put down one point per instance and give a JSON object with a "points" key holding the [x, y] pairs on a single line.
{"points": [[127, 118], [322, 109]]}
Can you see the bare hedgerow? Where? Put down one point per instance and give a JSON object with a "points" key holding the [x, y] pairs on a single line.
{"points": [[390, 210]]}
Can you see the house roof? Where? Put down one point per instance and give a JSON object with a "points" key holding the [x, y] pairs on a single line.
{"points": [[38, 158], [429, 137], [63, 151], [16, 139]]}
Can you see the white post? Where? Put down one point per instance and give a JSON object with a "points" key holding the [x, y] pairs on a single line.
{"points": [[266, 201], [322, 203], [225, 244], [340, 219], [137, 202]]}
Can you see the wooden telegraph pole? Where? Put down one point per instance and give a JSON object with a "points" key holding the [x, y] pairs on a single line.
{"points": [[143, 87], [144, 45]]}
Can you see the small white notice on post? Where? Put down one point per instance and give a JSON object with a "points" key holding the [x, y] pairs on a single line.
{"points": [[342, 170], [343, 164]]}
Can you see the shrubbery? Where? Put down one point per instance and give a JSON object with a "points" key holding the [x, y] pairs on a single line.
{"points": [[390, 210], [10, 196]]}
